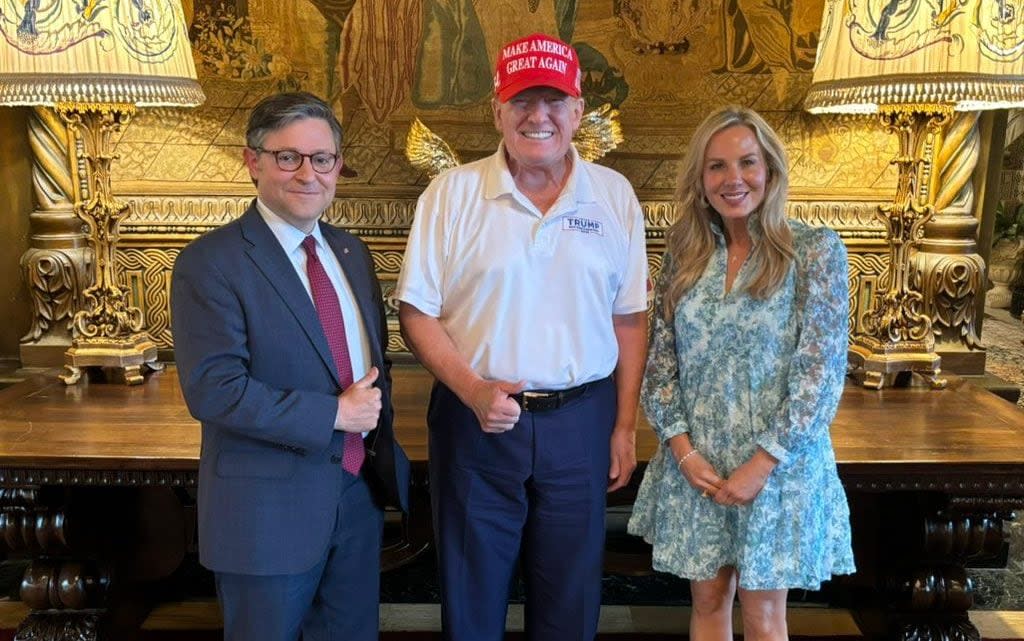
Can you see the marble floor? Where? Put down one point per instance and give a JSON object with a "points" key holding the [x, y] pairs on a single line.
{"points": [[1003, 589]]}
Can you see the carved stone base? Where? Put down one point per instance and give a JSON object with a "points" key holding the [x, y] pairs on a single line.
{"points": [[56, 625], [882, 363], [124, 357], [958, 628]]}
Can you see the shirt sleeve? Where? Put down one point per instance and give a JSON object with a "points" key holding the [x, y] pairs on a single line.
{"points": [[818, 365], [420, 281], [659, 392], [632, 294]]}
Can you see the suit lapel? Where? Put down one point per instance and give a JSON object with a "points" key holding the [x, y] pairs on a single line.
{"points": [[268, 256]]}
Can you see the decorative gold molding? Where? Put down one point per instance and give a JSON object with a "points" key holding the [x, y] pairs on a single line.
{"points": [[51, 174], [948, 268], [57, 265], [161, 225], [147, 278], [55, 279]]}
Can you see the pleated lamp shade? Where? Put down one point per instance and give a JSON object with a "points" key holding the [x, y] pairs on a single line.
{"points": [[96, 51], [968, 54]]}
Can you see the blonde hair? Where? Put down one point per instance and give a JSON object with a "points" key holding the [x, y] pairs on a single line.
{"points": [[690, 242]]}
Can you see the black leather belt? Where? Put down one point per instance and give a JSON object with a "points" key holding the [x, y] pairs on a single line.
{"points": [[546, 400]]}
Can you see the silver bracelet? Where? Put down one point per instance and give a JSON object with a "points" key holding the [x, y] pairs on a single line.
{"points": [[682, 458]]}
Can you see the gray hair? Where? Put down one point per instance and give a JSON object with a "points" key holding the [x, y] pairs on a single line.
{"points": [[282, 109]]}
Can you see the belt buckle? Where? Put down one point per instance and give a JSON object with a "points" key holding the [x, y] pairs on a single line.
{"points": [[539, 401]]}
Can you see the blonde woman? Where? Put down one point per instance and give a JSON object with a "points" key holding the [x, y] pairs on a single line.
{"points": [[744, 374]]}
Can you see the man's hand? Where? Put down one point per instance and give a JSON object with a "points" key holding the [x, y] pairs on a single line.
{"points": [[359, 405], [747, 480], [623, 451], [491, 401]]}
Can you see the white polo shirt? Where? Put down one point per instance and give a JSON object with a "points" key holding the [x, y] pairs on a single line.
{"points": [[527, 296]]}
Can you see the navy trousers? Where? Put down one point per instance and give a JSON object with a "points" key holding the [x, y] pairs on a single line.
{"points": [[535, 494], [338, 598]]}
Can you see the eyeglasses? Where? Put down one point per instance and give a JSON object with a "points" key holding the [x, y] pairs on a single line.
{"points": [[291, 160]]}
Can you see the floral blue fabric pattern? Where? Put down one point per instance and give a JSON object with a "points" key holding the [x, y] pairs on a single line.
{"points": [[735, 373]]}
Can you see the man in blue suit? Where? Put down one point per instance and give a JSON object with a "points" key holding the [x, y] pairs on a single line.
{"points": [[280, 340]]}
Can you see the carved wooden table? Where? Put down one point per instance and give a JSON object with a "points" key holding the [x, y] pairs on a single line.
{"points": [[96, 480]]}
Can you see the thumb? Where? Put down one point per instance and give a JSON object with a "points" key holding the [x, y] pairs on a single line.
{"points": [[613, 470], [370, 377], [511, 388]]}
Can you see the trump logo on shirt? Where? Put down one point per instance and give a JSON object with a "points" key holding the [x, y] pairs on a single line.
{"points": [[585, 225]]}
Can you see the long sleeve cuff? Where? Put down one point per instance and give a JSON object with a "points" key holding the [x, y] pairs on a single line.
{"points": [[673, 429], [773, 447]]}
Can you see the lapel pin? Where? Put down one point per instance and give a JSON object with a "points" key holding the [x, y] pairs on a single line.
{"points": [[344, 250]]}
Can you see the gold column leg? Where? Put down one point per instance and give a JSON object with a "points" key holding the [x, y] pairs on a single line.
{"points": [[107, 331], [898, 337], [57, 267], [951, 272]]}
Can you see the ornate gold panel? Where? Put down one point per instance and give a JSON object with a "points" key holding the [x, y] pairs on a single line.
{"points": [[147, 276], [152, 241], [383, 64]]}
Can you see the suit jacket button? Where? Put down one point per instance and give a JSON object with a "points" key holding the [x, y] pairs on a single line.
{"points": [[335, 459]]}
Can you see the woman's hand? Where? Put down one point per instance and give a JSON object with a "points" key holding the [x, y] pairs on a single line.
{"points": [[694, 467], [746, 481]]}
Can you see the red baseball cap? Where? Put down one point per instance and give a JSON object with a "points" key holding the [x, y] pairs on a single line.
{"points": [[536, 61]]}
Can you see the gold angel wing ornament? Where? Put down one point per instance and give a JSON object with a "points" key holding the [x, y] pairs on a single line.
{"points": [[599, 133], [427, 151]]}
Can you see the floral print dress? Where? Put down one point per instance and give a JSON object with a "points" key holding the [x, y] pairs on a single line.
{"points": [[736, 373]]}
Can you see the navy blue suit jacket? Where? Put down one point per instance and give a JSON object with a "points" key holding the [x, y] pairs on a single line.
{"points": [[257, 372]]}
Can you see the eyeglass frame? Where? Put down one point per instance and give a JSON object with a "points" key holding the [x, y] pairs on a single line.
{"points": [[302, 159]]}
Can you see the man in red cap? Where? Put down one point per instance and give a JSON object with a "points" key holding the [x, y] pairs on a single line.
{"points": [[523, 291]]}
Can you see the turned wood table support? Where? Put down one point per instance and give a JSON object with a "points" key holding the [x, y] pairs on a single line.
{"points": [[94, 542], [66, 595], [915, 536]]}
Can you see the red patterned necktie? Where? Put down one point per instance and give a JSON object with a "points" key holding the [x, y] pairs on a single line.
{"points": [[329, 310]]}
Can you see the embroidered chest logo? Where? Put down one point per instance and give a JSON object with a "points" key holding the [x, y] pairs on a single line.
{"points": [[585, 225]]}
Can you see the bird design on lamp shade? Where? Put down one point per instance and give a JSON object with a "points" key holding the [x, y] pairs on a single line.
{"points": [[145, 29]]}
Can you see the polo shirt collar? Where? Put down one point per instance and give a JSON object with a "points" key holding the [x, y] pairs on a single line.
{"points": [[498, 179]]}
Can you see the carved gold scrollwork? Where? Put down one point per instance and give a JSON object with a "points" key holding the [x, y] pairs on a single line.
{"points": [[107, 312], [387, 263], [146, 272], [395, 342], [384, 222], [54, 280], [57, 266], [951, 284], [948, 267], [897, 338]]}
